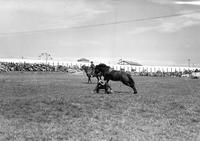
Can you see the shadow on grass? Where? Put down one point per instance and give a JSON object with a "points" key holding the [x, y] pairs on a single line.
{"points": [[87, 82], [123, 92]]}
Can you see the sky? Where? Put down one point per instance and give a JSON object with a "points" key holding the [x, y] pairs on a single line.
{"points": [[150, 32]]}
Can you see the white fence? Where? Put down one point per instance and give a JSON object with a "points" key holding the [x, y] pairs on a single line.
{"points": [[140, 68], [152, 68], [116, 67]]}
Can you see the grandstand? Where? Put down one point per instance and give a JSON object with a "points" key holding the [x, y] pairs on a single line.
{"points": [[131, 63]]}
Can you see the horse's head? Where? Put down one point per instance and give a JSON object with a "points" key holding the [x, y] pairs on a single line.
{"points": [[101, 69], [84, 67]]}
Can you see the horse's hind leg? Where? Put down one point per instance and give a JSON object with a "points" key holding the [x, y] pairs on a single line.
{"points": [[132, 85], [134, 89]]}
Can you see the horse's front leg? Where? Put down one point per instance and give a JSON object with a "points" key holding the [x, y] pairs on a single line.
{"points": [[90, 80], [107, 80], [97, 78]]}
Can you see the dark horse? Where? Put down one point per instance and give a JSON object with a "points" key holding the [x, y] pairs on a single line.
{"points": [[90, 73], [115, 75]]}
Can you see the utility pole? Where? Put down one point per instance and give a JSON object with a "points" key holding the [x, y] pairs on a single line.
{"points": [[189, 62], [22, 59]]}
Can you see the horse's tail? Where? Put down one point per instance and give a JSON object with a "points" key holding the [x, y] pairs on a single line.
{"points": [[131, 79]]}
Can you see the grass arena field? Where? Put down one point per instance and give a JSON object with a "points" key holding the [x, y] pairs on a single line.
{"points": [[61, 106]]}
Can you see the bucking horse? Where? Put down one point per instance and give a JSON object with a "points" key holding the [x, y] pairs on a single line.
{"points": [[114, 75]]}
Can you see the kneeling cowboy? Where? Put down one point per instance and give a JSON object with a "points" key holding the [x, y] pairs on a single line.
{"points": [[103, 85]]}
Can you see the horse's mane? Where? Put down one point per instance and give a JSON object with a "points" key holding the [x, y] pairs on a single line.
{"points": [[102, 65]]}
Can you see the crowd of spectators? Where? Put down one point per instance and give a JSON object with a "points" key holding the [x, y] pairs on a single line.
{"points": [[6, 67]]}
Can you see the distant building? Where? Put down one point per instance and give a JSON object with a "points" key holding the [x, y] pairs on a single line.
{"points": [[124, 62], [84, 60]]}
